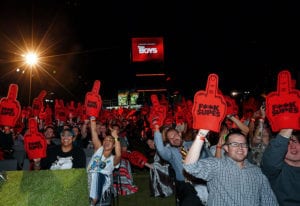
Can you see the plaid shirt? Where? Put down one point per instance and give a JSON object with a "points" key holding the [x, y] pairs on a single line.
{"points": [[229, 185]]}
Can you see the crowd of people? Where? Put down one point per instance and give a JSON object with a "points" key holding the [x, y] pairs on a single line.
{"points": [[245, 163]]}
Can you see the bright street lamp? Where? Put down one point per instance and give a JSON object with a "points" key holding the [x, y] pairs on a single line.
{"points": [[31, 60]]}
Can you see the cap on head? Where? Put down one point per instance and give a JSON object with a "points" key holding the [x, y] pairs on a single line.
{"points": [[67, 132]]}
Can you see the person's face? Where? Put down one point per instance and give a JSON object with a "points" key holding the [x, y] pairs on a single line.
{"points": [[66, 139], [102, 129], [49, 133], [75, 131], [108, 142], [151, 144], [237, 153], [174, 138], [293, 153]]}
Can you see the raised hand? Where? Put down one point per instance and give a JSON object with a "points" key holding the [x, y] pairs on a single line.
{"points": [[10, 108], [283, 105], [209, 107], [34, 142], [93, 101]]}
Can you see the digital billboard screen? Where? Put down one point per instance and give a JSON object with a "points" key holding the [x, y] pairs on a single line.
{"points": [[147, 49]]}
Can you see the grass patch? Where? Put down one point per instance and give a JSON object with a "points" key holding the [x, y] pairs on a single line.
{"points": [[45, 187], [68, 188]]}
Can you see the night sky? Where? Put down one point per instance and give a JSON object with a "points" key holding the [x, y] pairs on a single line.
{"points": [[245, 44]]}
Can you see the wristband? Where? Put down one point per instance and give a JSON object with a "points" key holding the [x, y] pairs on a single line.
{"points": [[117, 139], [201, 137], [92, 118], [219, 146]]}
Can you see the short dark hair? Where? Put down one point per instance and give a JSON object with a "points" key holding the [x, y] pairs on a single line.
{"points": [[234, 131], [67, 130], [297, 135]]}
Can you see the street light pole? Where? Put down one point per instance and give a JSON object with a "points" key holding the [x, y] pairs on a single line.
{"points": [[30, 82]]}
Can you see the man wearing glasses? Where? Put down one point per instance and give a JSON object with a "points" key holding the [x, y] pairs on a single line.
{"points": [[231, 180], [281, 164]]}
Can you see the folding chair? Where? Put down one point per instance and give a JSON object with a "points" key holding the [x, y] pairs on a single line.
{"points": [[116, 186], [9, 164], [26, 164]]}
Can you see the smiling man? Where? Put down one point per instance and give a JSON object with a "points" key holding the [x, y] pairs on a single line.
{"points": [[281, 164], [64, 156], [231, 180]]}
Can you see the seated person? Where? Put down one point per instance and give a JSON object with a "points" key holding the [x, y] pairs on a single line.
{"points": [[64, 156], [6, 143]]}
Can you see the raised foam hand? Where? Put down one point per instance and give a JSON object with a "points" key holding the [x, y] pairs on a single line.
{"points": [[180, 117], [209, 108], [34, 142], [232, 107], [38, 103], [158, 112], [136, 158], [48, 119], [10, 108], [93, 102], [71, 110], [60, 110], [283, 105]]}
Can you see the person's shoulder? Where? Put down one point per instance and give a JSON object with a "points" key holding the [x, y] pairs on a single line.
{"points": [[54, 147], [78, 150]]}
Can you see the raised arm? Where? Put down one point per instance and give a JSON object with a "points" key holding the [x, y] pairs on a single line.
{"points": [[195, 150], [95, 139], [244, 128], [219, 147], [274, 155], [117, 158]]}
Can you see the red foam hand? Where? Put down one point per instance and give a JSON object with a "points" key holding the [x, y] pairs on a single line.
{"points": [[79, 112], [164, 101], [250, 106], [42, 114], [138, 159], [283, 105], [48, 119], [145, 109], [38, 103], [60, 110], [34, 142], [169, 120], [24, 113], [29, 110], [294, 83], [179, 115], [232, 107], [209, 108], [56, 109], [125, 155], [10, 108], [158, 112], [93, 102], [189, 114], [71, 110]]}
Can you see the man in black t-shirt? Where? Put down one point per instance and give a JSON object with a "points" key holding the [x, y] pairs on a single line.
{"points": [[64, 156]]}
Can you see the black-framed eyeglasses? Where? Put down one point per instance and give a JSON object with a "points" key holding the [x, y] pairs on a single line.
{"points": [[237, 144]]}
